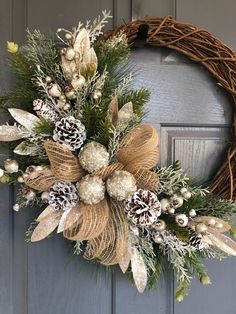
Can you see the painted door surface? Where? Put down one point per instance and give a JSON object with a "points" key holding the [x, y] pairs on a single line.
{"points": [[192, 114]]}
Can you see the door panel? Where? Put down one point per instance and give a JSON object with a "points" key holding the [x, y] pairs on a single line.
{"points": [[192, 115]]}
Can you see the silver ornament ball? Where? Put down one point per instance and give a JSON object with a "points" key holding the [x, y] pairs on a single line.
{"points": [[11, 166], [171, 210], [212, 222], [176, 200], [1, 172], [201, 227], [158, 239], [16, 207], [68, 36], [44, 196], [165, 205], [30, 195], [20, 179], [93, 156], [91, 189], [183, 190], [192, 213], [181, 220], [187, 195], [70, 54], [159, 225], [120, 185]]}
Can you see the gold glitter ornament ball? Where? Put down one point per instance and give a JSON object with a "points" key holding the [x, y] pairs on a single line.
{"points": [[91, 189], [93, 156], [120, 185]]}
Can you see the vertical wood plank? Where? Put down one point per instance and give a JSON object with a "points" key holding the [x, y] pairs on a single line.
{"points": [[216, 16], [6, 215], [152, 8]]}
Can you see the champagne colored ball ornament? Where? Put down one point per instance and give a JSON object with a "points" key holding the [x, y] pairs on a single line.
{"points": [[159, 225], [16, 207], [30, 195], [1, 172], [11, 165], [187, 195], [70, 54], [91, 189], [78, 81], [20, 179], [201, 228], [212, 222], [54, 90], [120, 185], [158, 239], [165, 205], [68, 36], [181, 220], [44, 196], [183, 190], [177, 201], [192, 213], [93, 156]]}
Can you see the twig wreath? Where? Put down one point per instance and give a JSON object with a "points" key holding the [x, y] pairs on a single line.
{"points": [[220, 60], [83, 155]]}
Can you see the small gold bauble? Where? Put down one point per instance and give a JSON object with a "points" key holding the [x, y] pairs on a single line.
{"points": [[158, 239], [159, 225], [93, 156], [91, 189], [192, 213], [121, 184], [187, 195], [30, 195], [1, 172], [181, 220], [201, 227], [11, 165], [16, 207], [212, 222]]}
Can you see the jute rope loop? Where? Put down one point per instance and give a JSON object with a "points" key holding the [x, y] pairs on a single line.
{"points": [[220, 60]]}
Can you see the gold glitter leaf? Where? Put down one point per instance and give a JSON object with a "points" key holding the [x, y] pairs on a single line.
{"points": [[46, 226], [28, 120], [139, 270], [10, 133]]}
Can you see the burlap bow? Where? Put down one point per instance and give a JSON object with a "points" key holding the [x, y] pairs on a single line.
{"points": [[104, 226]]}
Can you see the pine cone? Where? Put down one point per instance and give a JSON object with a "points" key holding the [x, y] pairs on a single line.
{"points": [[43, 110], [70, 131], [195, 240], [143, 208], [63, 195]]}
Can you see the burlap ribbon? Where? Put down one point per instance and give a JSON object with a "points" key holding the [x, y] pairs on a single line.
{"points": [[103, 225]]}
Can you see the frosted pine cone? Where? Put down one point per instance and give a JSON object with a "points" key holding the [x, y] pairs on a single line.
{"points": [[143, 208], [63, 195], [43, 110], [196, 241], [70, 131]]}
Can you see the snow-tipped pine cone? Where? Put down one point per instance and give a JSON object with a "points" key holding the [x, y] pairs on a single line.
{"points": [[143, 208], [63, 195], [71, 132], [43, 110]]}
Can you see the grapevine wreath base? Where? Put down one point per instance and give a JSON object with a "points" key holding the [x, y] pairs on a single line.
{"points": [[85, 157]]}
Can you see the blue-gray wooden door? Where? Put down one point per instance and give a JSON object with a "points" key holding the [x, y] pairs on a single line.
{"points": [[192, 114]]}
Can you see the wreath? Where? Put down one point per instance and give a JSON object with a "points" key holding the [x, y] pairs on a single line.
{"points": [[83, 155]]}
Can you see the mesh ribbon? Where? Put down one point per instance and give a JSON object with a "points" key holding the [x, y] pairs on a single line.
{"points": [[139, 148], [64, 164], [40, 180], [90, 224], [112, 243]]}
